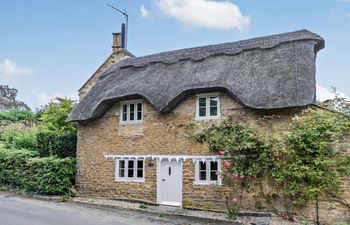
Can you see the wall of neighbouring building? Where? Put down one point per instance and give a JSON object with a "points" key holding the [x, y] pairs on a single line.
{"points": [[116, 56]]}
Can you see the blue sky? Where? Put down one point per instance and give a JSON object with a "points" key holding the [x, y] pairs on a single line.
{"points": [[50, 48]]}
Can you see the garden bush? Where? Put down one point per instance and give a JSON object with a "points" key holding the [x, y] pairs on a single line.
{"points": [[16, 115], [57, 144], [22, 170]]}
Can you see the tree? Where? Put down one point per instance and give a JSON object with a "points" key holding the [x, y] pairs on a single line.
{"points": [[338, 103], [53, 116], [8, 99], [57, 137]]}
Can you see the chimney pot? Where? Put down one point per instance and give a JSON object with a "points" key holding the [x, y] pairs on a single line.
{"points": [[117, 41]]}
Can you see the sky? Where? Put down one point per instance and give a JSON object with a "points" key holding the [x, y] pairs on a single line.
{"points": [[49, 48]]}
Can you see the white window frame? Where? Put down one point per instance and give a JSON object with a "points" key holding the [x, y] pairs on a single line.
{"points": [[207, 181], [126, 178], [207, 115], [127, 103]]}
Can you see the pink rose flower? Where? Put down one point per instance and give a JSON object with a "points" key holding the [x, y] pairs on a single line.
{"points": [[236, 164], [234, 176], [227, 164], [221, 153], [234, 199]]}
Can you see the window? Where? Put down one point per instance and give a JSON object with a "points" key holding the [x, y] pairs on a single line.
{"points": [[130, 170], [208, 106], [207, 172], [131, 112]]}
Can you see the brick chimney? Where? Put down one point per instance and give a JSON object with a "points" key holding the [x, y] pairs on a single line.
{"points": [[117, 41]]}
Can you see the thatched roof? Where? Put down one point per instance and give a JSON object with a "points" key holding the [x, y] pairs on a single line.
{"points": [[270, 72]]}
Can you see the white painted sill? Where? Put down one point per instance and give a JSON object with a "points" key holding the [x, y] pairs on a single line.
{"points": [[130, 180], [131, 122], [207, 118], [206, 183]]}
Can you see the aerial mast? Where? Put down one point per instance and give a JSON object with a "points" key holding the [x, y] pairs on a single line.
{"points": [[124, 29]]}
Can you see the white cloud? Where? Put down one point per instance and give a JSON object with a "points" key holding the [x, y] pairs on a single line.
{"points": [[205, 13], [44, 98], [323, 94], [9, 70], [144, 12]]}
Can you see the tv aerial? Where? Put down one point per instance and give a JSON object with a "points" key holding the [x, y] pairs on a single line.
{"points": [[124, 29]]}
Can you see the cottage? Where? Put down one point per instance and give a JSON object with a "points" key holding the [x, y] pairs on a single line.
{"points": [[137, 114]]}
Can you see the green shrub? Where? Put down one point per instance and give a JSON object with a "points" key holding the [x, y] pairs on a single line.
{"points": [[49, 175], [17, 115], [22, 170], [12, 165], [25, 140], [57, 144], [19, 136]]}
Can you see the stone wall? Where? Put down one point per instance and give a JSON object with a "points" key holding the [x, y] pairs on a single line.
{"points": [[116, 56], [160, 134]]}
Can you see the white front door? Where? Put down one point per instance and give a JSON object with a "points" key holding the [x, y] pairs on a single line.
{"points": [[170, 182]]}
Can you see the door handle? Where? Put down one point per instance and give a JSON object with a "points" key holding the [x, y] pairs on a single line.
{"points": [[163, 179]]}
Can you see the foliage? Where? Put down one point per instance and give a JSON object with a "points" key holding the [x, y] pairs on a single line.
{"points": [[53, 116], [15, 115], [304, 163], [246, 157], [25, 140], [338, 103], [20, 169], [309, 163], [8, 99], [57, 137], [57, 144], [19, 136]]}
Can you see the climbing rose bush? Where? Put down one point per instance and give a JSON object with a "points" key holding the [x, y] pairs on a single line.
{"points": [[245, 155]]}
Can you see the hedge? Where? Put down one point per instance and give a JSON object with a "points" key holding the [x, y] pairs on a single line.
{"points": [[22, 170], [57, 144]]}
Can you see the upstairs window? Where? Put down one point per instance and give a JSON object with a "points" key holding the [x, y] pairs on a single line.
{"points": [[207, 172], [131, 112], [130, 170], [208, 106]]}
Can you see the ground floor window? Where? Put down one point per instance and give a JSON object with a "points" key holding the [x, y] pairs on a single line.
{"points": [[207, 172], [130, 170]]}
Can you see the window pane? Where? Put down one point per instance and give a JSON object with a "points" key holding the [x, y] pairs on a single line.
{"points": [[202, 165], [122, 168], [131, 173], [132, 111], [202, 112], [213, 176], [121, 173], [121, 164], [213, 101], [139, 107], [140, 164], [139, 173], [202, 175], [125, 108], [202, 102], [202, 106], [131, 164], [213, 111], [139, 111], [213, 106], [213, 165]]}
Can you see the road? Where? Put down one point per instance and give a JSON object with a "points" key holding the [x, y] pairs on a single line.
{"points": [[16, 210]]}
